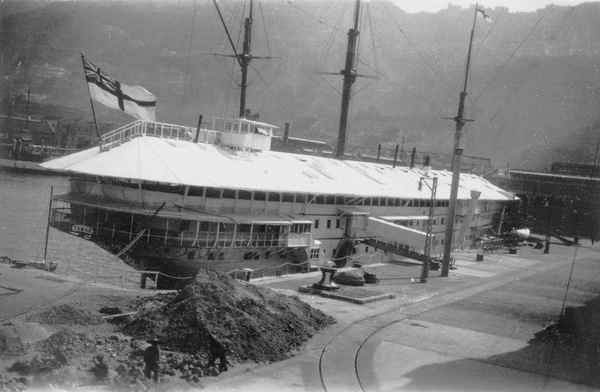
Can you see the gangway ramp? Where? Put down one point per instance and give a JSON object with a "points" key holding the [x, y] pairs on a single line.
{"points": [[396, 239]]}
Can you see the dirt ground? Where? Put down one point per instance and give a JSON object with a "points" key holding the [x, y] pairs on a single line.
{"points": [[54, 349]]}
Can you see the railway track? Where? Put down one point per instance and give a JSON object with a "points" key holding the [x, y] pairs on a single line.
{"points": [[339, 360]]}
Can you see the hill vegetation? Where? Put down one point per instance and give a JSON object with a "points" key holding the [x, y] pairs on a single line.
{"points": [[533, 89]]}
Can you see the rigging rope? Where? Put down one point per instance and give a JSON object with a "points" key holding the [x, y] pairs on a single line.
{"points": [[507, 61]]}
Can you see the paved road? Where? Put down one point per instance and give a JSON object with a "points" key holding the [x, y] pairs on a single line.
{"points": [[482, 328]]}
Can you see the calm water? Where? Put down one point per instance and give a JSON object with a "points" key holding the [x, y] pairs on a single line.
{"points": [[24, 201]]}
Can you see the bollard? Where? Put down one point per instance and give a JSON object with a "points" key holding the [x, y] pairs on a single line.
{"points": [[247, 273], [326, 282], [479, 257]]}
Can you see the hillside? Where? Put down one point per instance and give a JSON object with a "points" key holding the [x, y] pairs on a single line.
{"points": [[533, 87]]}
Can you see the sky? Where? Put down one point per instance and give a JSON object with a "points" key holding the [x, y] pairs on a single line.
{"points": [[513, 5]]}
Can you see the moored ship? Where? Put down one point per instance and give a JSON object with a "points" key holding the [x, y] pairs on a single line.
{"points": [[170, 199], [173, 199]]}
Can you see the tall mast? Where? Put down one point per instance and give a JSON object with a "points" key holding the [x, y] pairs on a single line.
{"points": [[245, 57], [456, 162], [349, 73]]}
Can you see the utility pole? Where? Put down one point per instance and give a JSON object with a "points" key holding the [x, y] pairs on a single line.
{"points": [[429, 235]]}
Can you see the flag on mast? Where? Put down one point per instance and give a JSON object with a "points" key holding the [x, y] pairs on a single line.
{"points": [[484, 14], [133, 100]]}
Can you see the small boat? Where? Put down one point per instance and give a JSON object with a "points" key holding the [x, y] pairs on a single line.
{"points": [[39, 264]]}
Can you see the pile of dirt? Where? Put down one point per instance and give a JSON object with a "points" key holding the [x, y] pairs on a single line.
{"points": [[252, 323], [67, 343], [66, 314], [11, 346]]}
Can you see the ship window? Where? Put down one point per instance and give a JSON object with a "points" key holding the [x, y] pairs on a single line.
{"points": [[300, 198], [329, 223], [273, 196], [367, 201], [330, 199], [184, 225], [287, 197], [337, 223], [236, 127], [244, 128], [340, 200], [227, 125], [320, 199], [196, 191], [245, 195], [228, 194], [226, 227], [260, 196], [316, 223], [213, 193], [191, 255]]}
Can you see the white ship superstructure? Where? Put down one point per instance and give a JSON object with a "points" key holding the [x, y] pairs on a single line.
{"points": [[168, 198]]}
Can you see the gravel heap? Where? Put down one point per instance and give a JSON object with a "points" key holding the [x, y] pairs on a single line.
{"points": [[68, 344], [11, 346], [252, 323]]}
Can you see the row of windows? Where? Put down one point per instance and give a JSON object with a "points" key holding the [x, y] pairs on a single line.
{"points": [[286, 197], [337, 223]]}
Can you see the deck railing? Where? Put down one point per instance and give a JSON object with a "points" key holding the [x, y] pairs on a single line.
{"points": [[162, 130]]}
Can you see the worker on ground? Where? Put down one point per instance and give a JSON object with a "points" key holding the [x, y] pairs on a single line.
{"points": [[152, 358], [216, 350], [100, 369]]}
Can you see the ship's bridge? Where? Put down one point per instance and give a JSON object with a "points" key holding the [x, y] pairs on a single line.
{"points": [[244, 134]]}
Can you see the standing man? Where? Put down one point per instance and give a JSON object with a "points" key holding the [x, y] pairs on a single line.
{"points": [[217, 351], [152, 358]]}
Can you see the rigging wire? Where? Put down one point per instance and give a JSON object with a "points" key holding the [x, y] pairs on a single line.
{"points": [[187, 68], [562, 313], [508, 60], [413, 46], [336, 27]]}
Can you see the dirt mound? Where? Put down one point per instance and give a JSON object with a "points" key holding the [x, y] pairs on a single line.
{"points": [[253, 323], [68, 344], [66, 314], [14, 338], [28, 332], [11, 346]]}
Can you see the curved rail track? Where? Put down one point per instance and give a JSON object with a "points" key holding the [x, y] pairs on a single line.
{"points": [[39, 305], [349, 379]]}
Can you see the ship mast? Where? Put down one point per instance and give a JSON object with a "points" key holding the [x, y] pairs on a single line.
{"points": [[245, 57], [349, 73], [456, 161]]}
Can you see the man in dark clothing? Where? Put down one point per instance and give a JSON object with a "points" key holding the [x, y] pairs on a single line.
{"points": [[216, 350], [151, 358], [100, 369]]}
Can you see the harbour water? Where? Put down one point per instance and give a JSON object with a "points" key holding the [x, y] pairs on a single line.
{"points": [[24, 200]]}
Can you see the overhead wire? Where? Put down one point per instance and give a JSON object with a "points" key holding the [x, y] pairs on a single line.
{"points": [[509, 59]]}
